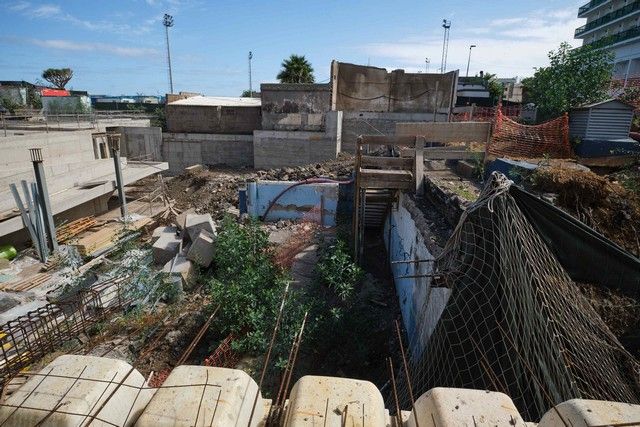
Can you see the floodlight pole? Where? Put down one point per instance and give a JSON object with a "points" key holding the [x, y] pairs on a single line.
{"points": [[469, 60], [168, 22], [250, 86], [426, 61], [445, 45]]}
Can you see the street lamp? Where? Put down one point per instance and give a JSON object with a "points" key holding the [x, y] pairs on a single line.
{"points": [[426, 60], [469, 60], [167, 21], [445, 45]]}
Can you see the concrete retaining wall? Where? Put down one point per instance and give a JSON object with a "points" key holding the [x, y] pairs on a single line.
{"points": [[362, 88], [275, 149], [182, 150], [406, 240], [447, 132], [304, 200], [356, 123]]}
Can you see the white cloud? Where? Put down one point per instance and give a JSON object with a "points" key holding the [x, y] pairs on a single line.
{"points": [[509, 46], [19, 6], [70, 45], [45, 11]]}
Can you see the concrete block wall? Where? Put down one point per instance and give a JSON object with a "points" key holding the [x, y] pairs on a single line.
{"points": [[182, 150], [356, 123], [212, 119], [140, 142], [275, 149], [294, 106]]}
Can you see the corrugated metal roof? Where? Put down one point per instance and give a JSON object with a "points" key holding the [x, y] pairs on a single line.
{"points": [[219, 101], [595, 104]]}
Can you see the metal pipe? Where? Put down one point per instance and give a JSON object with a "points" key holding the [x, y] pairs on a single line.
{"points": [[115, 153], [43, 196]]}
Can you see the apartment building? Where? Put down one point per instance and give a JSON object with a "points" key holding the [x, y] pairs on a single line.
{"points": [[616, 23]]}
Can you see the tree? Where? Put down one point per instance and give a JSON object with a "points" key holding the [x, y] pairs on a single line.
{"points": [[59, 77], [574, 77], [296, 69], [495, 88], [247, 94]]}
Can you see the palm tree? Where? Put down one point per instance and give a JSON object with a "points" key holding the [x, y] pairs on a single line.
{"points": [[296, 69]]}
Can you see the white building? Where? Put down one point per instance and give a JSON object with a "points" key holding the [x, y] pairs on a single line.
{"points": [[617, 22]]}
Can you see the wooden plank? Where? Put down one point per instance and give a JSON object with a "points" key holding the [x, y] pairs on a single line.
{"points": [[453, 155], [386, 173], [396, 185], [418, 169], [405, 140], [26, 284], [386, 162]]}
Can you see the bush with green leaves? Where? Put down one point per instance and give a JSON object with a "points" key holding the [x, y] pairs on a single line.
{"points": [[337, 270], [247, 285]]}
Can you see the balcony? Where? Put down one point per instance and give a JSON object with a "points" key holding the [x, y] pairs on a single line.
{"points": [[589, 6], [617, 38], [609, 17]]}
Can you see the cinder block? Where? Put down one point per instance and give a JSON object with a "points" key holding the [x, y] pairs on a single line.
{"points": [[202, 248], [179, 270], [182, 217], [165, 248], [465, 169], [160, 231], [195, 223]]}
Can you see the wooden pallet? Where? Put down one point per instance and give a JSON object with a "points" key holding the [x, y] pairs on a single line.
{"points": [[74, 228], [105, 237], [26, 284]]}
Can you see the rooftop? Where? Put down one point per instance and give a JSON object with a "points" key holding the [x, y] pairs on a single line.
{"points": [[219, 101]]}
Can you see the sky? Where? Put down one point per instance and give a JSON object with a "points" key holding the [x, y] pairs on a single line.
{"points": [[118, 47]]}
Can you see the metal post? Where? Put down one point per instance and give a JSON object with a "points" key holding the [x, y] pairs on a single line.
{"points": [[115, 153], [168, 22], [43, 193], [40, 227], [25, 218], [250, 85]]}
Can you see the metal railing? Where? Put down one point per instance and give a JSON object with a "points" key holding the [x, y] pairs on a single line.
{"points": [[590, 5], [619, 13], [617, 38]]}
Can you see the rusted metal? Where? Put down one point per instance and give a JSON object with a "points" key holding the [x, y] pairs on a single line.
{"points": [[197, 338], [406, 372], [392, 377], [28, 338], [270, 348]]}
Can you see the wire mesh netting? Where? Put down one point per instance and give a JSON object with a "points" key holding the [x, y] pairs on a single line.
{"points": [[514, 139], [514, 321]]}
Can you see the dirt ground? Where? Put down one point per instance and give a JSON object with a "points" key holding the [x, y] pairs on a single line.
{"points": [[610, 205], [214, 190]]}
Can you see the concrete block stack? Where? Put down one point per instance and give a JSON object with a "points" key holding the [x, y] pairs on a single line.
{"points": [[179, 247]]}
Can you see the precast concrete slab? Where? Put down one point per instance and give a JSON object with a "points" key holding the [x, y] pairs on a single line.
{"points": [[202, 249], [195, 223], [166, 247]]}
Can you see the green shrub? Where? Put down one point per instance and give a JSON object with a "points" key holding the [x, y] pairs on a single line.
{"points": [[337, 271]]}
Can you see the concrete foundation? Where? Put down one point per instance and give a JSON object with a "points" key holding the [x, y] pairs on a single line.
{"points": [[181, 150], [356, 123], [276, 149]]}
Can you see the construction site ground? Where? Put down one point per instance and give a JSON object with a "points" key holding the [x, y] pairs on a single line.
{"points": [[153, 339]]}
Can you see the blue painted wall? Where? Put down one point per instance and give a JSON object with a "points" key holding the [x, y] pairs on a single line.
{"points": [[295, 204]]}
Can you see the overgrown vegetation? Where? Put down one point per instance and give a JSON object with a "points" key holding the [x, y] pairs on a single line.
{"points": [[249, 287], [159, 118], [296, 69]]}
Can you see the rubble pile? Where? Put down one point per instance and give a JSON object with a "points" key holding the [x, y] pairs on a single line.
{"points": [[603, 204]]}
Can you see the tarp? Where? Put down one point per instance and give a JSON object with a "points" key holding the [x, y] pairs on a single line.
{"points": [[586, 255]]}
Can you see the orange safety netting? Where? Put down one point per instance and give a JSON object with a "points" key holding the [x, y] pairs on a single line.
{"points": [[513, 139], [486, 114]]}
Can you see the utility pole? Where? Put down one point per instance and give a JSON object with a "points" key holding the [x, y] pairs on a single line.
{"points": [[250, 87], [426, 61], [168, 22], [469, 60], [445, 45]]}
